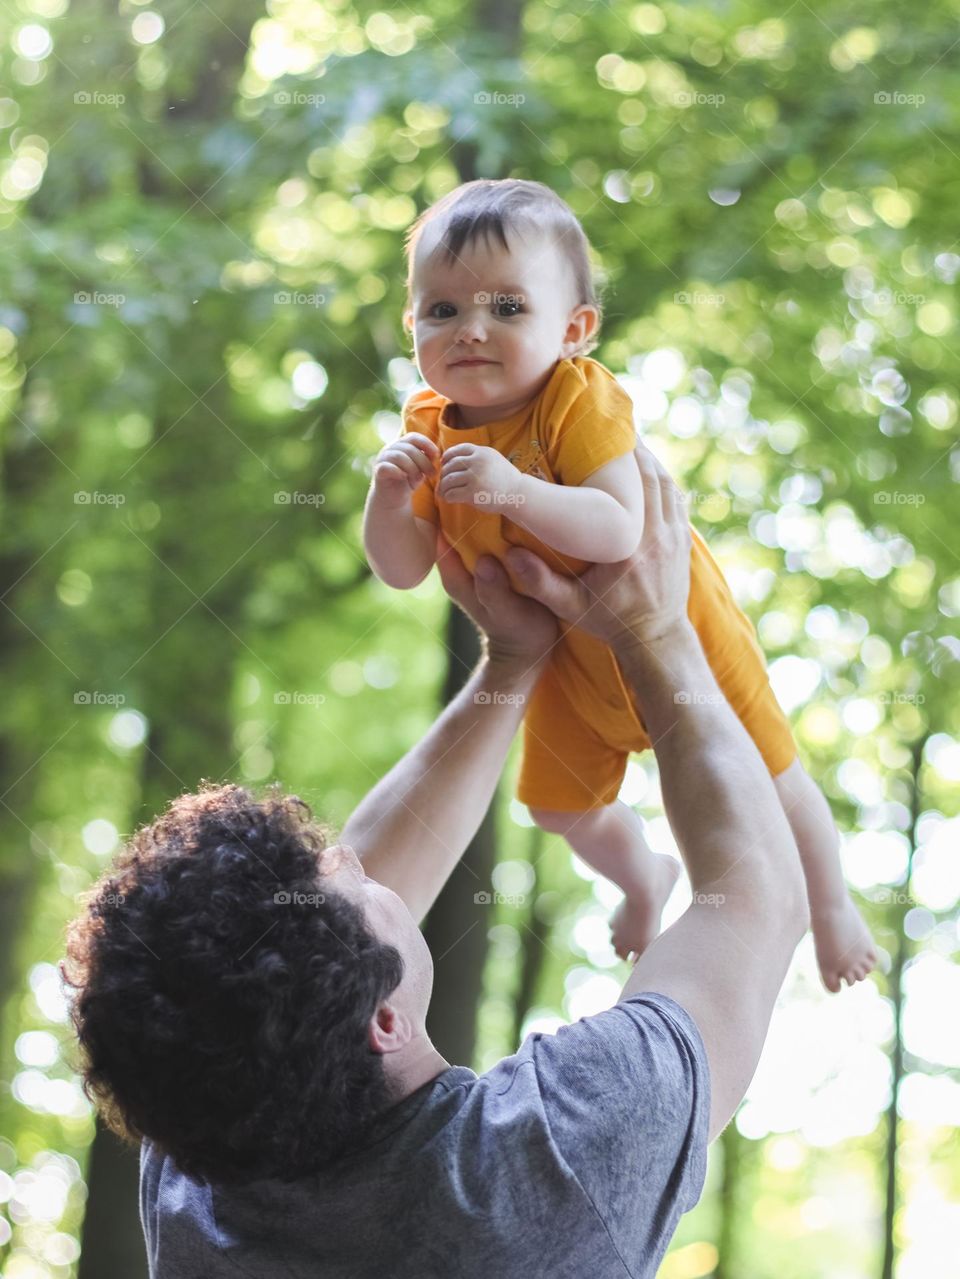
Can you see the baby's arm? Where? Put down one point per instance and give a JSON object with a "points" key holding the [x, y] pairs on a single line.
{"points": [[400, 547], [599, 520]]}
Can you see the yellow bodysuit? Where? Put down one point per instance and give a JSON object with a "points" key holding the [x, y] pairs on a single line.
{"points": [[581, 723]]}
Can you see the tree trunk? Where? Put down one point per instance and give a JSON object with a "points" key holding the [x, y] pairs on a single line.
{"points": [[536, 932], [456, 927], [900, 958]]}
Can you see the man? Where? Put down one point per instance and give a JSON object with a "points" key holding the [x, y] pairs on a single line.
{"points": [[253, 1003]]}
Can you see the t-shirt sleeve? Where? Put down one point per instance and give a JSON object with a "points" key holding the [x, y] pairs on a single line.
{"points": [[627, 1098], [592, 424]]}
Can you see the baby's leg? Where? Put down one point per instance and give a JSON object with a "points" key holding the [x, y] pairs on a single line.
{"points": [[610, 839], [844, 946]]}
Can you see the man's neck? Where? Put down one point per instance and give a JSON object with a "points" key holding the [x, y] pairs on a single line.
{"points": [[420, 1063]]}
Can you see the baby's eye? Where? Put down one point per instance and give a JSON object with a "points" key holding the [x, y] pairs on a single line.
{"points": [[437, 304], [516, 309]]}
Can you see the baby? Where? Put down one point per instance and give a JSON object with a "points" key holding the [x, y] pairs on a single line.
{"points": [[520, 439]]}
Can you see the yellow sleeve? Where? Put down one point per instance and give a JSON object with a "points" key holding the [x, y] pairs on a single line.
{"points": [[421, 414], [590, 422]]}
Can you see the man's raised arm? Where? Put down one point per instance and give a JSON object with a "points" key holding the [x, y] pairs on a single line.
{"points": [[724, 960], [413, 827]]}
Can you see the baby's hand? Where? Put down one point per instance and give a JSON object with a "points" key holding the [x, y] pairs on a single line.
{"points": [[478, 476], [401, 467]]}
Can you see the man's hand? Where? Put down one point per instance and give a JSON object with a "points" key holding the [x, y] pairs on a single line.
{"points": [[515, 628], [642, 597], [478, 476]]}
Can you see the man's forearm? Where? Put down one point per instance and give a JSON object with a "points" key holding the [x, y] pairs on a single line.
{"points": [[413, 827], [717, 792]]}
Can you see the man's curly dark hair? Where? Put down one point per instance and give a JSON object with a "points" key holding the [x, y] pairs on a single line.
{"points": [[221, 994]]}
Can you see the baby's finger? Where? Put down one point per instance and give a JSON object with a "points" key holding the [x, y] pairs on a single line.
{"points": [[402, 462], [422, 442], [415, 454], [458, 450], [388, 476]]}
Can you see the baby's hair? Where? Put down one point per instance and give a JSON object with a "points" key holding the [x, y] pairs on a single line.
{"points": [[490, 207]]}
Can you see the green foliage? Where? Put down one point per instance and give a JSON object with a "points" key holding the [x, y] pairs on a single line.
{"points": [[200, 349]]}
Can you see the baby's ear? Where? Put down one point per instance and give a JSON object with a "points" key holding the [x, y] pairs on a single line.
{"points": [[408, 320]]}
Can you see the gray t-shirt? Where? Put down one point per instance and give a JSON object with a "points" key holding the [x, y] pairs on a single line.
{"points": [[574, 1157]]}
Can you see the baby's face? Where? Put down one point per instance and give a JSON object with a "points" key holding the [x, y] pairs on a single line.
{"points": [[515, 310]]}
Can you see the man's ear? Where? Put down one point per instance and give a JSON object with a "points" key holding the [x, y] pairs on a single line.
{"points": [[388, 1029]]}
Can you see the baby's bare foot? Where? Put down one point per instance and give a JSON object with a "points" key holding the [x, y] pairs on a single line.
{"points": [[636, 921], [843, 943]]}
